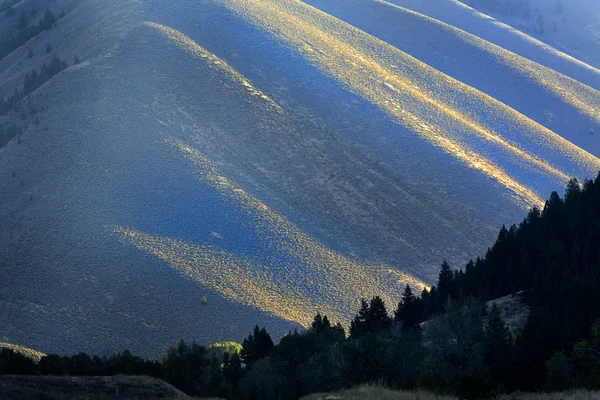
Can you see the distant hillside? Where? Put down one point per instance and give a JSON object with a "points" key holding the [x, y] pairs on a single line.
{"points": [[193, 168], [572, 26]]}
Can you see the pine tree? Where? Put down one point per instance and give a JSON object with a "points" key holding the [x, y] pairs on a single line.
{"points": [[256, 346], [232, 367], [358, 325], [573, 191], [446, 286], [317, 322], [408, 312], [378, 318], [499, 354]]}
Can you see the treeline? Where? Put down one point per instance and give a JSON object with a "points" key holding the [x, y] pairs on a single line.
{"points": [[25, 32], [445, 341], [554, 256], [33, 80]]}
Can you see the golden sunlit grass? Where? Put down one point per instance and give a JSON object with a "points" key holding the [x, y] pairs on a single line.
{"points": [[379, 393], [579, 95], [33, 354], [198, 51], [527, 38], [315, 279], [306, 276], [437, 107]]}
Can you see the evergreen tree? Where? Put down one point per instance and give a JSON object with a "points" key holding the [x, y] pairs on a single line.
{"points": [[358, 325], [317, 322], [378, 318], [13, 363], [232, 367], [371, 318], [256, 346], [447, 290], [499, 354], [408, 311]]}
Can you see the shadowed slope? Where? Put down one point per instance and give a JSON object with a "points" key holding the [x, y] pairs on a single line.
{"points": [[445, 112], [306, 164], [312, 278], [461, 16]]}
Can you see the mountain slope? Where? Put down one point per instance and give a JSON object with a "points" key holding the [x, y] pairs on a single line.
{"points": [[560, 104], [461, 16], [266, 155], [572, 26]]}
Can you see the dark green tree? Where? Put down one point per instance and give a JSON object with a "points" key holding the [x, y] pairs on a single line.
{"points": [[446, 288], [372, 318], [256, 346], [500, 353], [408, 312]]}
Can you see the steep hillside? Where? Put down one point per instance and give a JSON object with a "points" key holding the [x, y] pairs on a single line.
{"points": [[572, 26], [459, 15], [272, 158], [564, 106]]}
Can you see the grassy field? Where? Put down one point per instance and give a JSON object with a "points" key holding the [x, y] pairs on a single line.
{"points": [[379, 393], [89, 387]]}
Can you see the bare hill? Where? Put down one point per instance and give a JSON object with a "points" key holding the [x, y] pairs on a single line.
{"points": [[276, 158]]}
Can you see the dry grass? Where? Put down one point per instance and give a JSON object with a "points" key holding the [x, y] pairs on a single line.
{"points": [[88, 387], [514, 310], [379, 393], [26, 351], [374, 393]]}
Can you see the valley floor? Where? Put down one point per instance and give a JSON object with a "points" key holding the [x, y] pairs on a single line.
{"points": [[16, 387], [379, 393]]}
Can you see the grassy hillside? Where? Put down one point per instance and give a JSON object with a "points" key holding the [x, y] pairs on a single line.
{"points": [[267, 157], [27, 352], [85, 387]]}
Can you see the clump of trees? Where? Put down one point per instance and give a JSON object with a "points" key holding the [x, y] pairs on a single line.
{"points": [[26, 32], [445, 341], [32, 81], [14, 102]]}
